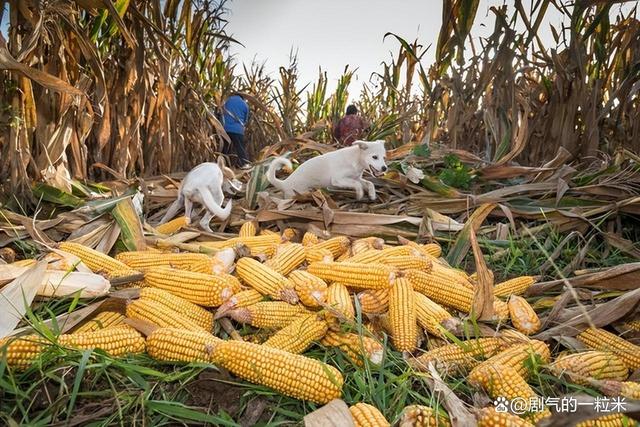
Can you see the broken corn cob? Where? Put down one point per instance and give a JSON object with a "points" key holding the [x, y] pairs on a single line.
{"points": [[523, 317], [117, 341], [241, 299], [309, 239], [489, 417], [519, 356], [365, 415], [318, 255], [337, 245], [97, 261], [339, 300], [407, 262], [248, 229]]}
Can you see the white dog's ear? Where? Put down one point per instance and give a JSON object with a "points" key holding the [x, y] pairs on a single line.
{"points": [[363, 145]]}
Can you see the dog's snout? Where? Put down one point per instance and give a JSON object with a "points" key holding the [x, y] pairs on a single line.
{"points": [[384, 168]]}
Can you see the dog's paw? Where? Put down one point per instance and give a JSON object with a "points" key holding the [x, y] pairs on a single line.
{"points": [[372, 197]]}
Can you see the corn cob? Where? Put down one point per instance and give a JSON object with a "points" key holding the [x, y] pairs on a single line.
{"points": [[358, 246], [628, 389], [339, 300], [103, 320], [292, 375], [309, 239], [504, 381], [258, 245], [407, 262], [145, 260], [402, 315], [454, 358], [158, 314], [318, 255], [515, 286], [519, 356], [239, 300], [287, 259], [590, 364], [612, 420], [489, 417], [181, 345], [599, 339], [116, 341], [433, 249], [21, 352], [632, 325], [266, 280], [369, 256], [247, 229], [433, 343], [423, 416], [172, 226], [267, 232], [443, 287], [311, 290], [203, 289], [289, 234], [268, 314], [367, 276], [187, 309], [299, 334], [432, 317], [97, 261], [523, 317], [358, 348], [374, 301], [337, 245], [365, 415]]}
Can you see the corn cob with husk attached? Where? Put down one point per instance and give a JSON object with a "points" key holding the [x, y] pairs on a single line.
{"points": [[248, 229], [523, 316], [311, 290], [580, 367], [357, 347], [203, 289], [287, 258], [599, 339], [434, 318], [145, 260], [337, 245], [339, 303], [402, 315], [97, 261], [292, 375], [102, 320], [407, 262], [299, 334], [268, 314], [423, 416], [172, 226], [160, 315], [520, 356], [173, 303], [374, 301], [241, 299], [365, 415], [266, 280], [515, 286], [455, 358], [309, 239], [181, 345], [364, 276], [318, 255], [489, 417]]}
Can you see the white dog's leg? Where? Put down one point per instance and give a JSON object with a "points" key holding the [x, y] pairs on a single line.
{"points": [[204, 222], [349, 183], [371, 189], [172, 211], [188, 208]]}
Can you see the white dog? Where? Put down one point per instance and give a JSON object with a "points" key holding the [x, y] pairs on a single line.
{"points": [[342, 168], [204, 185]]}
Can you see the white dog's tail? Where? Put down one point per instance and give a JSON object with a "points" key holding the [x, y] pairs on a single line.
{"points": [[213, 207], [277, 164]]}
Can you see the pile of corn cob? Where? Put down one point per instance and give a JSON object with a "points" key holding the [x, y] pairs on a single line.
{"points": [[299, 291]]}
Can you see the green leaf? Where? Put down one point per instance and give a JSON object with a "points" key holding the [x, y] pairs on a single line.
{"points": [[179, 411], [422, 150], [57, 196], [78, 380]]}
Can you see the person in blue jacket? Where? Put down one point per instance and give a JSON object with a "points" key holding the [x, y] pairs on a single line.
{"points": [[234, 118]]}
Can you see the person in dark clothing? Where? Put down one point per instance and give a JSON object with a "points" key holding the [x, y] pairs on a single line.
{"points": [[234, 119], [351, 127]]}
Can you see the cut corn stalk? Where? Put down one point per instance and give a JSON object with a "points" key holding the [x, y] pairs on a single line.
{"points": [[599, 339], [365, 276], [268, 314], [299, 334], [523, 317], [365, 415], [357, 347], [311, 290], [181, 345], [599, 365], [402, 315], [173, 303], [266, 280]]}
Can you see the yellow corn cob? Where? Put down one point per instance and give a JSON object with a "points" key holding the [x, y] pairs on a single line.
{"points": [[318, 255], [299, 334], [337, 245], [374, 301], [454, 358], [366, 276], [628, 389], [287, 259], [433, 249], [407, 262], [203, 289], [258, 245], [187, 309], [599, 339], [145, 260], [309, 239], [116, 341], [365, 415], [247, 229], [358, 348], [423, 416], [515, 286], [338, 299], [160, 315], [402, 315], [311, 290], [523, 317], [292, 375], [402, 250], [612, 420], [266, 280], [369, 256], [239, 300], [590, 364], [433, 317], [21, 352], [181, 345], [504, 381], [97, 261], [267, 232], [289, 234], [102, 320], [519, 356], [433, 343], [268, 314], [633, 325], [489, 417], [172, 226], [359, 246]]}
